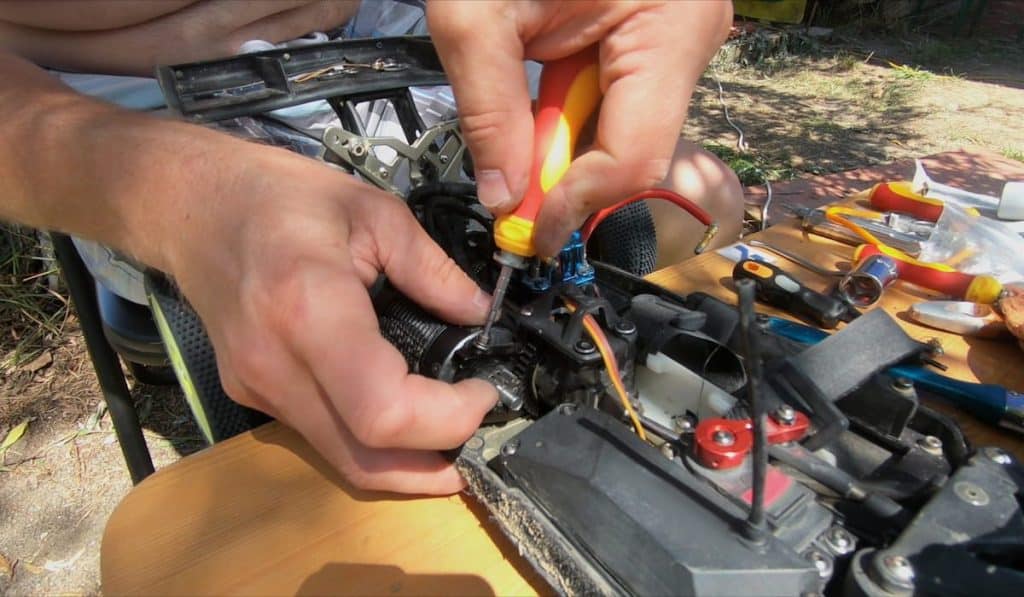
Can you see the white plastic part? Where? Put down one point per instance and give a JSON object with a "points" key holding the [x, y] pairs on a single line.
{"points": [[1011, 207], [667, 389], [929, 188]]}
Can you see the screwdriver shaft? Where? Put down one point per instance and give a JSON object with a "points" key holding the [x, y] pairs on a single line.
{"points": [[484, 339]]}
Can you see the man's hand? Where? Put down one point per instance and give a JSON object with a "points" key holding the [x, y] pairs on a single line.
{"points": [[651, 55], [277, 267]]}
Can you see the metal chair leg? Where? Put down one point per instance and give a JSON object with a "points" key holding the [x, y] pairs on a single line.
{"points": [[105, 361]]}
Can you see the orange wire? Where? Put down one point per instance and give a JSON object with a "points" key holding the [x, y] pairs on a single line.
{"points": [[603, 347]]}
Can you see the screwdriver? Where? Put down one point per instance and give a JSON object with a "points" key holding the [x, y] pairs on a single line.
{"points": [[569, 94], [938, 277], [991, 403], [778, 289]]}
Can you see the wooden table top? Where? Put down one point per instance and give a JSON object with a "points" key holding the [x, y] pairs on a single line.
{"points": [[262, 513]]}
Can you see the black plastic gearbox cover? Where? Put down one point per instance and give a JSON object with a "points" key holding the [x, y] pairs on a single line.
{"points": [[597, 510]]}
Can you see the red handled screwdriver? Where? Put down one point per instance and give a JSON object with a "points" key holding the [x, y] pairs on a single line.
{"points": [[569, 94]]}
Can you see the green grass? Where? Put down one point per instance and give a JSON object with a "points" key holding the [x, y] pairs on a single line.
{"points": [[32, 314], [749, 168], [912, 73], [1014, 153]]}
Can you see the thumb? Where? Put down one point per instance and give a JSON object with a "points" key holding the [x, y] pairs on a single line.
{"points": [[421, 270], [482, 55]]}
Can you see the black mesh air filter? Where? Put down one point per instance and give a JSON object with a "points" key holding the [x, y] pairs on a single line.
{"points": [[626, 239]]}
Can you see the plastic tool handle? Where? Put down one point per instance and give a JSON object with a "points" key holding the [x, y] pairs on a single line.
{"points": [[778, 289], [900, 197], [569, 94], [977, 289]]}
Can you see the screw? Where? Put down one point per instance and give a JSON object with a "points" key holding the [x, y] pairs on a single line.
{"points": [[510, 447], [527, 311], [178, 74], [567, 409], [821, 561], [668, 451], [931, 444], [785, 415], [682, 423], [624, 327], [902, 383], [900, 569], [474, 443], [723, 437], [998, 455], [839, 540], [286, 56], [443, 158], [584, 347], [382, 172], [971, 493]]}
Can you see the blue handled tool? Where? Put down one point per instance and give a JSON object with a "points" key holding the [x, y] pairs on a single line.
{"points": [[988, 402]]}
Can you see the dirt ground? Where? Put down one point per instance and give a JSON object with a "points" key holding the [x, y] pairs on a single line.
{"points": [[806, 104]]}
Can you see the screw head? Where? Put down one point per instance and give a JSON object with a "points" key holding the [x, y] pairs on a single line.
{"points": [[902, 383], [527, 312], [821, 561], [510, 447], [900, 569], [839, 540], [668, 451], [682, 424], [785, 415], [625, 327], [971, 493], [567, 409], [723, 437], [584, 347], [998, 455], [475, 443], [931, 444], [443, 159]]}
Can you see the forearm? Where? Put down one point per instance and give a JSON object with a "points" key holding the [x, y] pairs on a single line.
{"points": [[81, 166]]}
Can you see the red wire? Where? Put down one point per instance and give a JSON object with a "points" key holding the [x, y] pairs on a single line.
{"points": [[694, 210]]}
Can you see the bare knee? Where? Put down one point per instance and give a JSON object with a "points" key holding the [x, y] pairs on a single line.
{"points": [[704, 179]]}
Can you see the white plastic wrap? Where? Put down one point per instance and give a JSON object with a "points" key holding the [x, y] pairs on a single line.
{"points": [[975, 245]]}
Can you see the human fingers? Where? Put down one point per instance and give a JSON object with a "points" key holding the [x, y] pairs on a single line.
{"points": [[329, 322], [482, 54], [648, 74], [284, 388], [386, 237]]}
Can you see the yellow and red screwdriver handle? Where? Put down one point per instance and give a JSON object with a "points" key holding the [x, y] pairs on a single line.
{"points": [[569, 94], [901, 197], [937, 277]]}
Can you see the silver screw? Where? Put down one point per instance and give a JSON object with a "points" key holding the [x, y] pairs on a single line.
{"points": [[682, 423], [821, 561], [900, 569], [931, 444], [839, 540], [286, 56], [383, 172], [668, 451], [475, 443], [527, 311], [624, 327], [902, 383], [998, 455], [443, 158], [584, 347], [785, 415], [510, 447], [971, 493], [723, 437]]}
